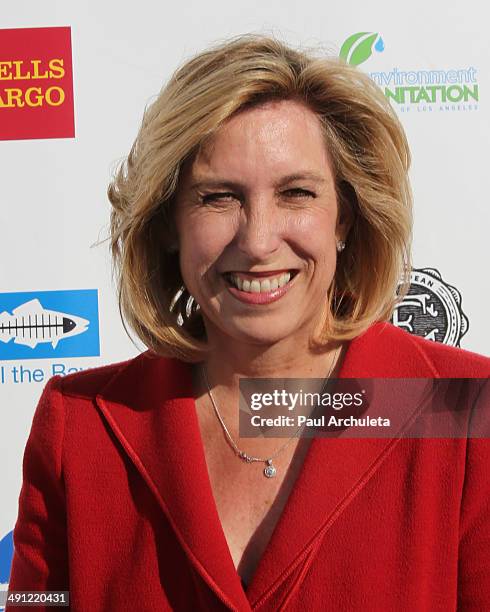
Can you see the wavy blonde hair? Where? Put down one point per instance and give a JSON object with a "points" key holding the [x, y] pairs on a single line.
{"points": [[370, 156]]}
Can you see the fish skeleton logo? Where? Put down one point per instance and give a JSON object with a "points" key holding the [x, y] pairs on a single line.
{"points": [[49, 323], [431, 309], [359, 47], [31, 324]]}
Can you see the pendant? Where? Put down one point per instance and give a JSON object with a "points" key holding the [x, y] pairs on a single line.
{"points": [[270, 470]]}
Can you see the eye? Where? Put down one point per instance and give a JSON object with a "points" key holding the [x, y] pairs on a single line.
{"points": [[299, 193], [217, 197]]}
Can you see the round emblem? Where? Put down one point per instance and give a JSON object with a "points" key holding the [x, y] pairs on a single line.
{"points": [[431, 309]]}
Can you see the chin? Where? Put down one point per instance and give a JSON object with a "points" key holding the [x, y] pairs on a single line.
{"points": [[261, 333]]}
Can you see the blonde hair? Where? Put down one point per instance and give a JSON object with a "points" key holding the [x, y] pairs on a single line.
{"points": [[370, 155]]}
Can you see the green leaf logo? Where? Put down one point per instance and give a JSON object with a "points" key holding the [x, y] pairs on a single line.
{"points": [[359, 47]]}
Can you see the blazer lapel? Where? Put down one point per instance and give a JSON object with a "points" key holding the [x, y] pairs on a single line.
{"points": [[335, 470], [149, 405]]}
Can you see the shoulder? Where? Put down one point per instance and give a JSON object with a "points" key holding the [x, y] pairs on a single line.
{"points": [[91, 381], [452, 361], [86, 384], [443, 360], [124, 379]]}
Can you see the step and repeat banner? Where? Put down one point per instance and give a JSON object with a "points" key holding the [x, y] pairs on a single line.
{"points": [[74, 81]]}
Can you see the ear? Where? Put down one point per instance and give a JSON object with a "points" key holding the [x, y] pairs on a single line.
{"points": [[169, 233], [348, 206], [171, 241]]}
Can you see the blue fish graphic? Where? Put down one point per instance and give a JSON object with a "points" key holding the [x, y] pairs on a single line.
{"points": [[30, 324]]}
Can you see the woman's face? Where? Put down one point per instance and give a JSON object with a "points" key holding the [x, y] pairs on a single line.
{"points": [[257, 223]]}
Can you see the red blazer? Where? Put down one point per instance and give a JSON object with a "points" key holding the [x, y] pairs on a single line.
{"points": [[116, 504]]}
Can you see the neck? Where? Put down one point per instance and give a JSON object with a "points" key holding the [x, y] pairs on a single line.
{"points": [[229, 361]]}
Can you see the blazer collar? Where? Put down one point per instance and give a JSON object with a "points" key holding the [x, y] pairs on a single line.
{"points": [[149, 406]]}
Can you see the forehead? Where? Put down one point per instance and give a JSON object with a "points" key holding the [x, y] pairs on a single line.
{"points": [[281, 136]]}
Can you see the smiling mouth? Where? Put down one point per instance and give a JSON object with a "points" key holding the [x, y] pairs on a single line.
{"points": [[249, 283]]}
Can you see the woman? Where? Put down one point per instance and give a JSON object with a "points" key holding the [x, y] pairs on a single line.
{"points": [[260, 227]]}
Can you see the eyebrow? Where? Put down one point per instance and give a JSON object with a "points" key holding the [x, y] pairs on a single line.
{"points": [[215, 183]]}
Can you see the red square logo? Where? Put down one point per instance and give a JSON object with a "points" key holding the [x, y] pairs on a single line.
{"points": [[36, 84]]}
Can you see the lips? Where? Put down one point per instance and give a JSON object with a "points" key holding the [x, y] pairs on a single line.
{"points": [[260, 288], [263, 273]]}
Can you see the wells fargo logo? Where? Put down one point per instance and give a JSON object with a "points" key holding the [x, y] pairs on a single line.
{"points": [[36, 84]]}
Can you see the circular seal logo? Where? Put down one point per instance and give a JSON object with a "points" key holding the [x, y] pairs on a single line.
{"points": [[431, 309]]}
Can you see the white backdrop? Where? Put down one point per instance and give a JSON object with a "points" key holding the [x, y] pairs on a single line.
{"points": [[53, 191]]}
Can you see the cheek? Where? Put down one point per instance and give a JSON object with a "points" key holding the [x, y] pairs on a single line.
{"points": [[315, 235], [202, 241]]}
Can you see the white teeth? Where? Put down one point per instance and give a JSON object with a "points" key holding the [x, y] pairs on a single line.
{"points": [[265, 285], [258, 286], [284, 278]]}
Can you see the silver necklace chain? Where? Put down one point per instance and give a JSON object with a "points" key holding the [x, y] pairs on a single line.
{"points": [[270, 470]]}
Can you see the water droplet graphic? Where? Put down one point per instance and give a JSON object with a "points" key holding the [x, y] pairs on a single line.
{"points": [[380, 45], [6, 554]]}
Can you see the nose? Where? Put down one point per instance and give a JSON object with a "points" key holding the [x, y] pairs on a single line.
{"points": [[260, 230]]}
